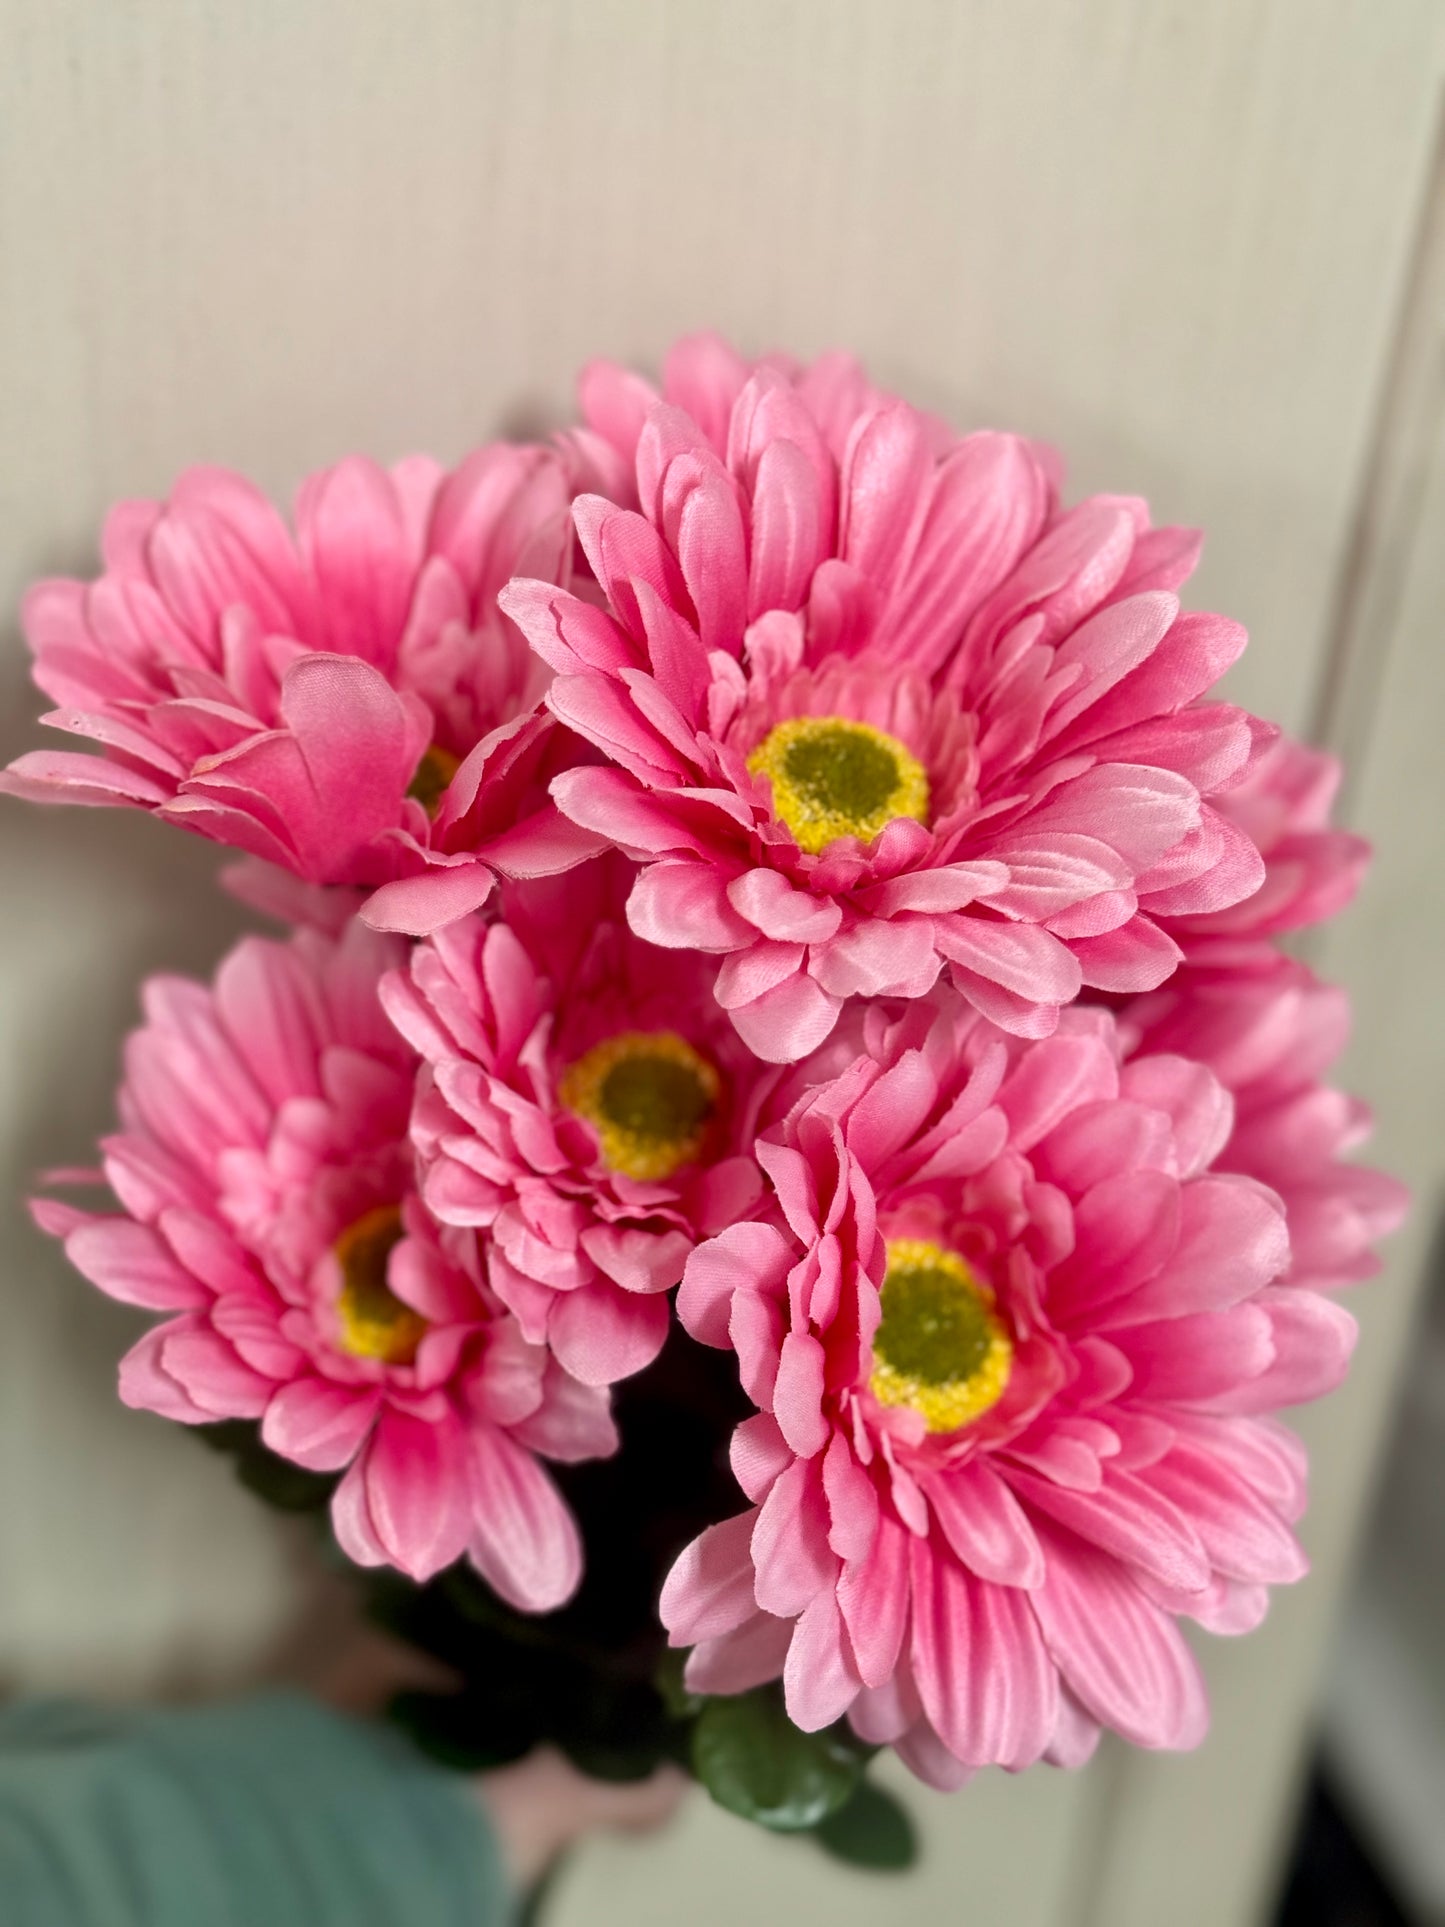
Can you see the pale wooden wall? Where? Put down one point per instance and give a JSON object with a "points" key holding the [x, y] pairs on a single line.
{"points": [[1177, 239]]}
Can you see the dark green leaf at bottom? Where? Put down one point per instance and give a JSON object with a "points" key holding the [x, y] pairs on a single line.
{"points": [[756, 1763], [870, 1830]]}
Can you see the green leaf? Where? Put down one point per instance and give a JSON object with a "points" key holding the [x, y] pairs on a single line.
{"points": [[756, 1763], [870, 1830]]}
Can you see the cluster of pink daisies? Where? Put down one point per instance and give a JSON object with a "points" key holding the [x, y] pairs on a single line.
{"points": [[760, 844]]}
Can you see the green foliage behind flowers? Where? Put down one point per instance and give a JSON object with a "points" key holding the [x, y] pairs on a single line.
{"points": [[756, 1763]]}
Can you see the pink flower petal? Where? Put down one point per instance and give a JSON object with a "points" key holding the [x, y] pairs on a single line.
{"points": [[790, 1551], [1137, 956], [415, 1477], [788, 1021], [798, 1394], [709, 1590], [769, 902], [735, 1662], [684, 906], [147, 1385], [422, 904], [819, 1682], [1242, 1535], [986, 1526], [573, 1422], [1121, 1656], [524, 1541], [1019, 957], [1312, 1339], [853, 1507], [874, 1595], [1233, 1240], [211, 1371], [1126, 1518], [879, 959], [601, 1333], [319, 1424], [644, 1261], [745, 1256], [985, 1678], [758, 1455], [130, 1262]]}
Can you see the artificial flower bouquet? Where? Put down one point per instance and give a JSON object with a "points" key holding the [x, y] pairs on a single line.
{"points": [[776, 1186]]}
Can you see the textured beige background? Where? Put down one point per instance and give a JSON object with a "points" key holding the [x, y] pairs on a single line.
{"points": [[1177, 239]]}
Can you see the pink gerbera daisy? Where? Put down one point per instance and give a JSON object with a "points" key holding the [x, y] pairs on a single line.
{"points": [[589, 1107], [347, 702], [1015, 1344], [875, 705], [268, 1207]]}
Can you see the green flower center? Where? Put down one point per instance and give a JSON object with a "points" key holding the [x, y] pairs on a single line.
{"points": [[432, 778], [649, 1096], [941, 1349], [833, 777], [374, 1321]]}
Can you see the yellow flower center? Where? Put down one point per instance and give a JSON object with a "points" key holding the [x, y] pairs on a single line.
{"points": [[832, 777], [942, 1349], [432, 777], [374, 1321], [648, 1095]]}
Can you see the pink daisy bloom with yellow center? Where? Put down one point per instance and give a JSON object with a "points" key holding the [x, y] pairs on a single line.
{"points": [[1015, 1344], [346, 701], [589, 1110], [874, 705], [269, 1209]]}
